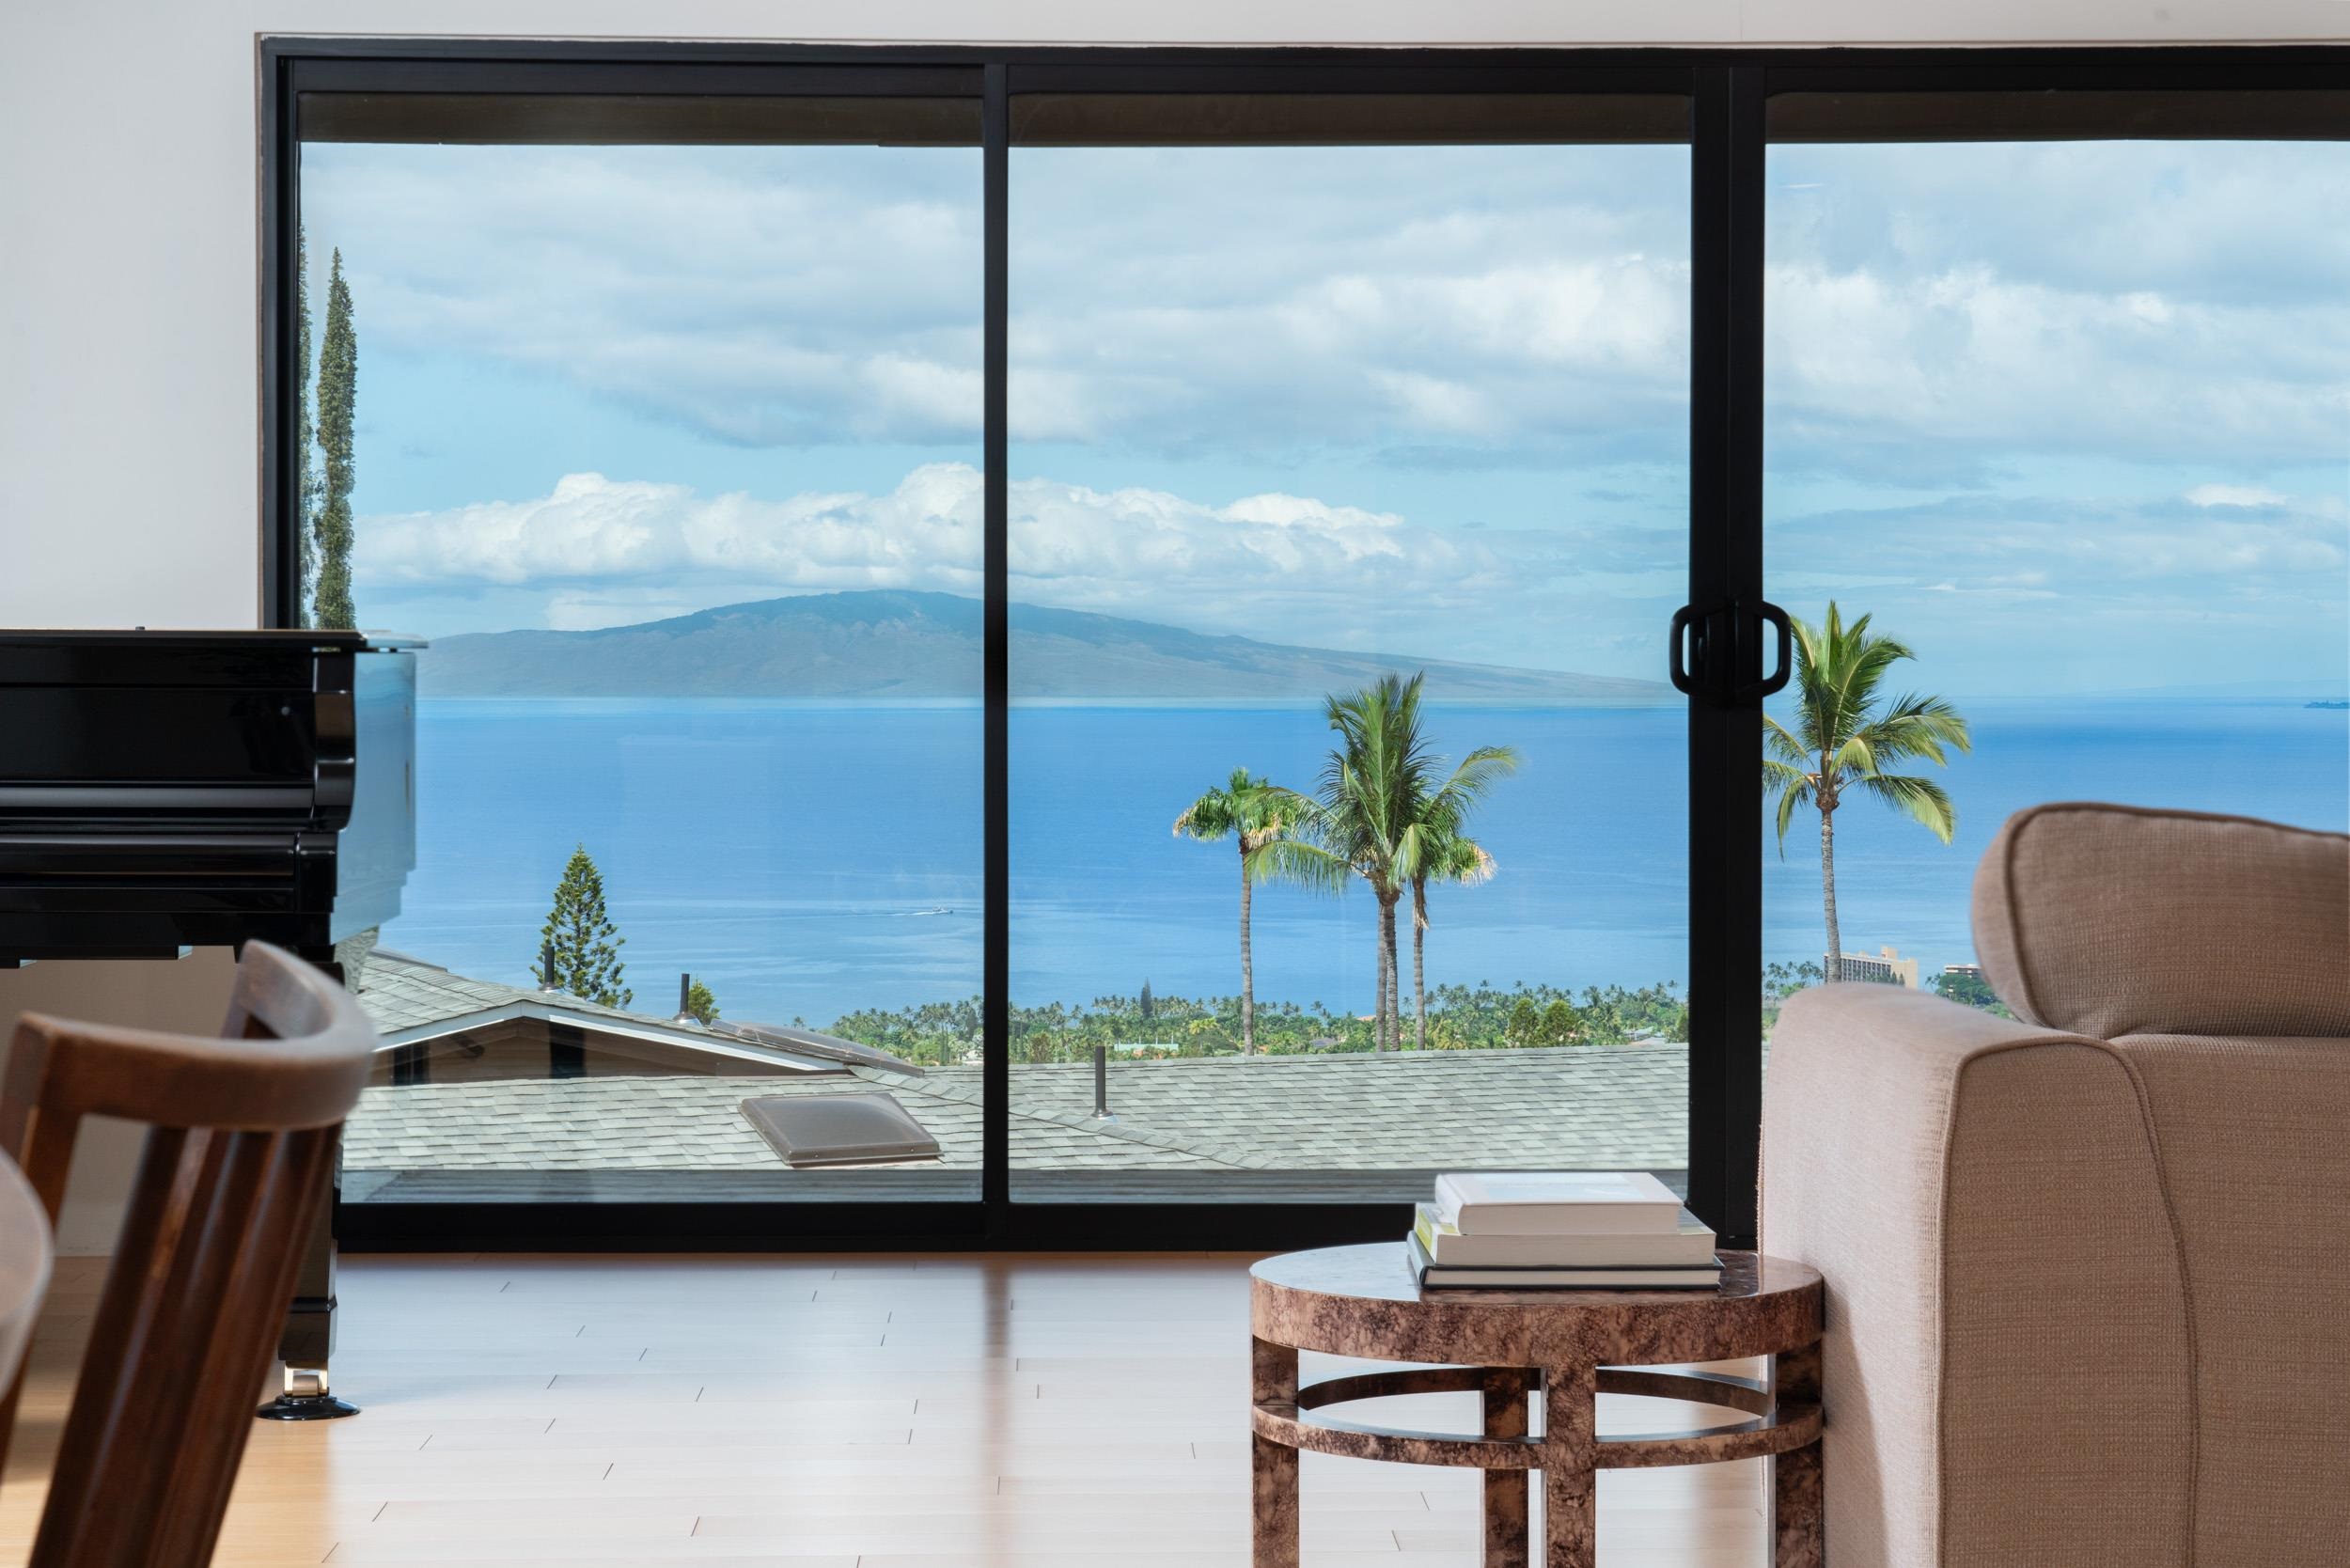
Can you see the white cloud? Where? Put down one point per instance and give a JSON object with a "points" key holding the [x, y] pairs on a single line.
{"points": [[2236, 495], [1089, 547], [925, 533], [598, 551]]}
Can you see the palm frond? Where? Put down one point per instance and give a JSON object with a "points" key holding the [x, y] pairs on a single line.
{"points": [[1920, 799], [1308, 865], [1795, 789], [1782, 745]]}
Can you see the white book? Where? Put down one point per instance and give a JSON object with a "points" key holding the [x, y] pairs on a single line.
{"points": [[1557, 1202], [1430, 1276], [1690, 1245]]}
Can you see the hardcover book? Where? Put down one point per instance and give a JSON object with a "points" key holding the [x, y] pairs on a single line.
{"points": [[1688, 1244], [1559, 1202], [1433, 1277]]}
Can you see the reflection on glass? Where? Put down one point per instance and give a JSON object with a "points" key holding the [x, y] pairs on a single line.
{"points": [[671, 451], [1348, 508], [2055, 438]]}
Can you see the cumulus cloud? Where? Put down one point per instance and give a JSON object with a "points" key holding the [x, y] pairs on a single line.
{"points": [[608, 550], [925, 534]]}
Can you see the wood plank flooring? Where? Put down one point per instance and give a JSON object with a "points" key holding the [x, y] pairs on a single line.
{"points": [[863, 1411]]}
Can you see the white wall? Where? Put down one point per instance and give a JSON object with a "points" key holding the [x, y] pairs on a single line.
{"points": [[129, 393]]}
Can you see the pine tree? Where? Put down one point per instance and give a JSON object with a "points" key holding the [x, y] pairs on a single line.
{"points": [[339, 392], [586, 943], [700, 1003], [306, 482]]}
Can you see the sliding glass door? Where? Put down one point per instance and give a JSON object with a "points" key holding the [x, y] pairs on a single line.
{"points": [[1348, 507], [1066, 647], [2056, 435], [659, 420]]}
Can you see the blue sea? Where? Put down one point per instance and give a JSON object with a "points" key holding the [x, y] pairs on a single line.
{"points": [[807, 860]]}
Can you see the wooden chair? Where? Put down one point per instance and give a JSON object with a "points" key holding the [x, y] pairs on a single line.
{"points": [[241, 1129], [26, 1255]]}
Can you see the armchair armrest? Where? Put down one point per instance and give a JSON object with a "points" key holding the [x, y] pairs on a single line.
{"points": [[2005, 1296]]}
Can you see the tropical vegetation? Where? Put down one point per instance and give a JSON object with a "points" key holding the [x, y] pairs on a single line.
{"points": [[1459, 1018], [1846, 736], [1387, 811], [1970, 990], [1248, 811]]}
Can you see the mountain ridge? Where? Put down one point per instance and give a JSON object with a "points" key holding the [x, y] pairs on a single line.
{"points": [[896, 643]]}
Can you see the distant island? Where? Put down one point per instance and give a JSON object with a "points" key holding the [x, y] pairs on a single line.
{"points": [[886, 645], [2326, 704]]}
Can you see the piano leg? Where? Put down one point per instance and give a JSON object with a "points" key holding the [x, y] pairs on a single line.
{"points": [[308, 1344]]}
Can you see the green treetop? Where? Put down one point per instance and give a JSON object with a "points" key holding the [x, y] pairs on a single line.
{"points": [[585, 943], [306, 482], [337, 401], [1247, 811], [1387, 812]]}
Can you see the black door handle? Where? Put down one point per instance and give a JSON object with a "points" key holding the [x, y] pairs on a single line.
{"points": [[1710, 652], [1674, 666], [1777, 680]]}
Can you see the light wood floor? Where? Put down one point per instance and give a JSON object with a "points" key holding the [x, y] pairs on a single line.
{"points": [[999, 1412]]}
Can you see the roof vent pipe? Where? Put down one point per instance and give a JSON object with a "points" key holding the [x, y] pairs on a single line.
{"points": [[1102, 1084], [685, 1000], [546, 966]]}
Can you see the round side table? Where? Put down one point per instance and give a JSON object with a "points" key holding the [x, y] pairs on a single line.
{"points": [[1563, 1347]]}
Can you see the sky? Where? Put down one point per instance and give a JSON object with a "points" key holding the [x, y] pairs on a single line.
{"points": [[2066, 416]]}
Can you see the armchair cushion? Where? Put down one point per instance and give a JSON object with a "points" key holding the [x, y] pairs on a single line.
{"points": [[2114, 921]]}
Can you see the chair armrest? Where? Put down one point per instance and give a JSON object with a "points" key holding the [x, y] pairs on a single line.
{"points": [[1983, 1200]]}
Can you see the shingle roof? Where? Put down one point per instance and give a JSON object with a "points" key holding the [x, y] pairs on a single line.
{"points": [[1592, 1105], [409, 998], [621, 1123], [402, 993]]}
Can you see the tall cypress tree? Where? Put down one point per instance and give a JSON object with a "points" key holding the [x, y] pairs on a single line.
{"points": [[306, 483], [587, 944], [338, 391]]}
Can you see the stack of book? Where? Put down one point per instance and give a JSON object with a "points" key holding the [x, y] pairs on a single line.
{"points": [[1561, 1231]]}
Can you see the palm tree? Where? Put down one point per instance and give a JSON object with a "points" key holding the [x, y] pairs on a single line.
{"points": [[1377, 815], [1845, 736], [1247, 810], [1450, 856]]}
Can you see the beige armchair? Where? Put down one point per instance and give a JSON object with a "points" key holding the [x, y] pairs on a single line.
{"points": [[2088, 1269]]}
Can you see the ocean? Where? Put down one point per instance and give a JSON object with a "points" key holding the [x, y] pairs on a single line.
{"points": [[807, 860]]}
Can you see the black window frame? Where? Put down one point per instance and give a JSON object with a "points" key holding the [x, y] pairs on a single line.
{"points": [[1729, 91]]}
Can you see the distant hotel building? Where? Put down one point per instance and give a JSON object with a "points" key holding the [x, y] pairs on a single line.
{"points": [[1887, 967]]}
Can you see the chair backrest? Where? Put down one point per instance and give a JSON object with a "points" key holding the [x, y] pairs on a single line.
{"points": [[241, 1129], [27, 1252]]}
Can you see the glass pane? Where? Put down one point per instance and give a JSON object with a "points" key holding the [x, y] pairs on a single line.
{"points": [[672, 452], [1289, 422], [2066, 421]]}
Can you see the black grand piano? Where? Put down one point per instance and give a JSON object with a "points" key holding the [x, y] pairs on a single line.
{"points": [[162, 790]]}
